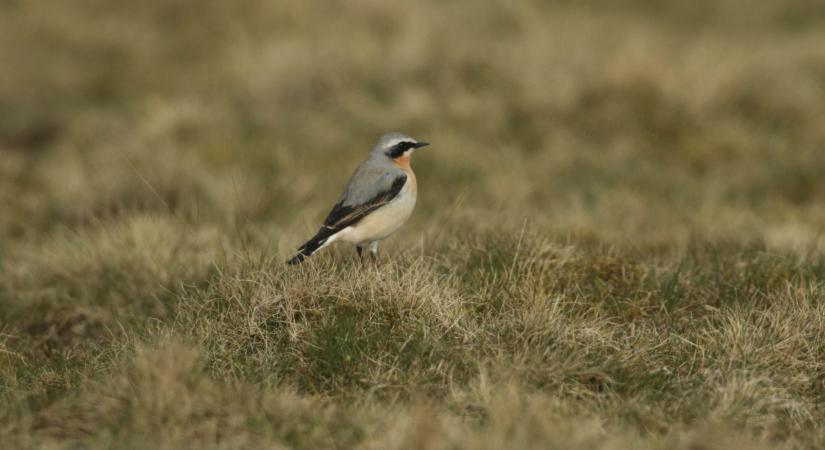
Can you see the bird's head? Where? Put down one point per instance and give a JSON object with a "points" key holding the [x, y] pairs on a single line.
{"points": [[398, 147]]}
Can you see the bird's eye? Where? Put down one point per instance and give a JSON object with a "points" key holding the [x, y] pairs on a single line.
{"points": [[399, 149]]}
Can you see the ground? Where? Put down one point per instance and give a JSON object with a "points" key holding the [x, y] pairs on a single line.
{"points": [[618, 241]]}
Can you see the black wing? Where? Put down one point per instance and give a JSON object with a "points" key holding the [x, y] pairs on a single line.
{"points": [[343, 216]]}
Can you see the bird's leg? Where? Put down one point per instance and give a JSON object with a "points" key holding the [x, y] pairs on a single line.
{"points": [[374, 252], [360, 251]]}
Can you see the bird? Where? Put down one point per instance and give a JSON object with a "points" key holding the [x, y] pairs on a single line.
{"points": [[378, 198]]}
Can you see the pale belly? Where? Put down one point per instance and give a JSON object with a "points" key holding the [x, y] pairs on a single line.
{"points": [[382, 222]]}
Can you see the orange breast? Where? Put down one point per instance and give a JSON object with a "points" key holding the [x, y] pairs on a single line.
{"points": [[404, 163]]}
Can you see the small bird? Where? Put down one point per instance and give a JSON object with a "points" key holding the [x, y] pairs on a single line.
{"points": [[378, 199]]}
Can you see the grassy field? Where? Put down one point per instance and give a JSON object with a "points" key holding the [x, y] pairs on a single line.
{"points": [[618, 241]]}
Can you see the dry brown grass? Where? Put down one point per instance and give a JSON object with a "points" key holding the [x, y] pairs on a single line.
{"points": [[618, 242]]}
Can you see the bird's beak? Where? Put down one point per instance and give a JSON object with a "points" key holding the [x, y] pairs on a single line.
{"points": [[421, 144]]}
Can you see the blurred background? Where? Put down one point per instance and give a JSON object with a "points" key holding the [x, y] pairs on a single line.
{"points": [[633, 120], [620, 218]]}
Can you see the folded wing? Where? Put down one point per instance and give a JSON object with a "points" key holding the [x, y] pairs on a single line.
{"points": [[344, 214], [357, 202]]}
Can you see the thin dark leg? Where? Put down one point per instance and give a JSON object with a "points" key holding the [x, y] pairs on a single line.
{"points": [[360, 254]]}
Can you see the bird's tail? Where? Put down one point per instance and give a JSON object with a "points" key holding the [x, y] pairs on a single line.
{"points": [[310, 247]]}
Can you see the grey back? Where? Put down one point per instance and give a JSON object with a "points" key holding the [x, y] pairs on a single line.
{"points": [[375, 175]]}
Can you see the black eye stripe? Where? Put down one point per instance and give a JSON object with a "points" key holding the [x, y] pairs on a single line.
{"points": [[398, 149]]}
